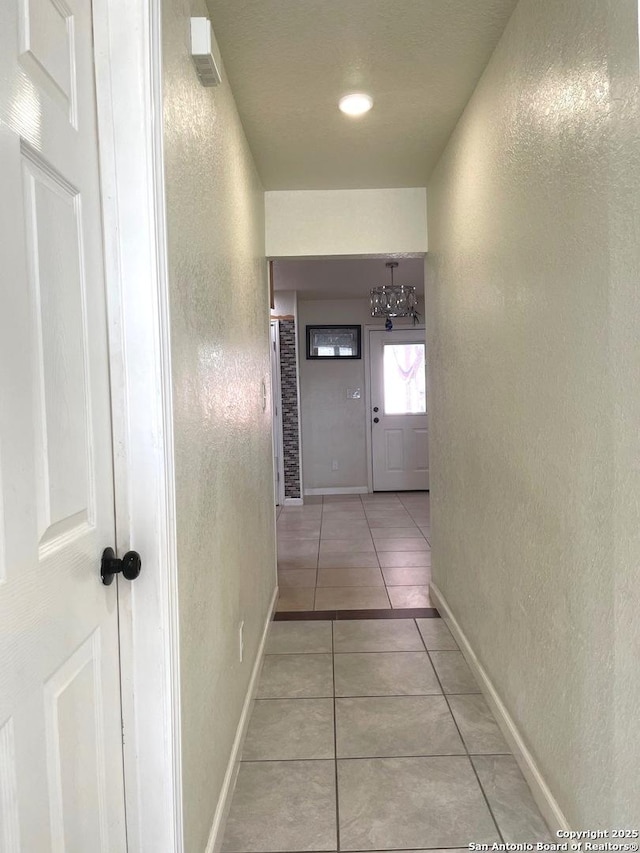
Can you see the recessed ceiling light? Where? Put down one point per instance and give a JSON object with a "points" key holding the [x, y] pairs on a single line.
{"points": [[356, 104]]}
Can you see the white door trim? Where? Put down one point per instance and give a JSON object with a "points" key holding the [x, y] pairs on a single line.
{"points": [[367, 389], [129, 94], [278, 439]]}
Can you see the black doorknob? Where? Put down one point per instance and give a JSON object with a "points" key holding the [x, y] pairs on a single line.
{"points": [[376, 420], [376, 409], [110, 566]]}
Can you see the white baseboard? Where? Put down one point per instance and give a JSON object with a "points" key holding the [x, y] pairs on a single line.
{"points": [[293, 502], [339, 490], [224, 801], [545, 800]]}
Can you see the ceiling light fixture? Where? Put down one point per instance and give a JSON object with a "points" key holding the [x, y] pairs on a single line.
{"points": [[356, 104], [394, 300]]}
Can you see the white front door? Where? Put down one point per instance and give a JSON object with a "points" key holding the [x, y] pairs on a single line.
{"points": [[399, 427], [61, 777]]}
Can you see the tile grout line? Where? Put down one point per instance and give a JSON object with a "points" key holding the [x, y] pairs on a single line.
{"points": [[384, 580], [377, 652], [335, 735], [315, 589], [362, 850], [379, 757], [379, 696], [422, 536], [464, 743]]}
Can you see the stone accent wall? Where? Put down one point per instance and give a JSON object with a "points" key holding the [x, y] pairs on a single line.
{"points": [[289, 388]]}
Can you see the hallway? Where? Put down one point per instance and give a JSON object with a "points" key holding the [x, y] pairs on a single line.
{"points": [[372, 735], [355, 552], [234, 233]]}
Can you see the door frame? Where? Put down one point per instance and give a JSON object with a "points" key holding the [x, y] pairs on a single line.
{"points": [[276, 397], [367, 387], [128, 66]]}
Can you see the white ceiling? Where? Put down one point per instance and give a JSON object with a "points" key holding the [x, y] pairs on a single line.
{"points": [[344, 278], [289, 61]]}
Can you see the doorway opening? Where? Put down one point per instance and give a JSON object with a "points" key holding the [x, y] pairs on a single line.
{"points": [[359, 538]]}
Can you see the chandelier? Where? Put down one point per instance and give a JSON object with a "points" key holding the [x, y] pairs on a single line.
{"points": [[394, 300]]}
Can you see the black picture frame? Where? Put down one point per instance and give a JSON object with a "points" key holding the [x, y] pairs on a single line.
{"points": [[315, 333]]}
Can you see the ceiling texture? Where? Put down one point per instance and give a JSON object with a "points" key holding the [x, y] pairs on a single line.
{"points": [[289, 62]]}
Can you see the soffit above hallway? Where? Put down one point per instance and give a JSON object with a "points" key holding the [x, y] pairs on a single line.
{"points": [[289, 62]]}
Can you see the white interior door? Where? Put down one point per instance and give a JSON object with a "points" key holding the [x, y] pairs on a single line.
{"points": [[61, 777], [399, 426]]}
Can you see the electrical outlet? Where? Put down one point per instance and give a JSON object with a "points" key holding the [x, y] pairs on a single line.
{"points": [[241, 641], [334, 465]]}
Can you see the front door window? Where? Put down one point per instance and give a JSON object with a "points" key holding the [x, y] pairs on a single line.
{"points": [[404, 379]]}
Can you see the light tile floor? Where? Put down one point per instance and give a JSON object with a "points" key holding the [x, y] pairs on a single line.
{"points": [[372, 735], [355, 552]]}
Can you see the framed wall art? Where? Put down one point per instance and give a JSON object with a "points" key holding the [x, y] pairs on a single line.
{"points": [[334, 342]]}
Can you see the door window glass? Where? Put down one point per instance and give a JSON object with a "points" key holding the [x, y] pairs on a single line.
{"points": [[404, 379]]}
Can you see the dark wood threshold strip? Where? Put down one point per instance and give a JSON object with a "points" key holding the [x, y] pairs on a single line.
{"points": [[336, 615]]}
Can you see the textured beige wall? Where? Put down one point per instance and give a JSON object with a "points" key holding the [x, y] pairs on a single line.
{"points": [[532, 309], [332, 426], [220, 351]]}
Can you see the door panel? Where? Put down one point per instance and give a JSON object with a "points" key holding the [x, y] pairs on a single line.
{"points": [[421, 449], [9, 816], [78, 815], [54, 239], [47, 49], [61, 778], [394, 447], [399, 441]]}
